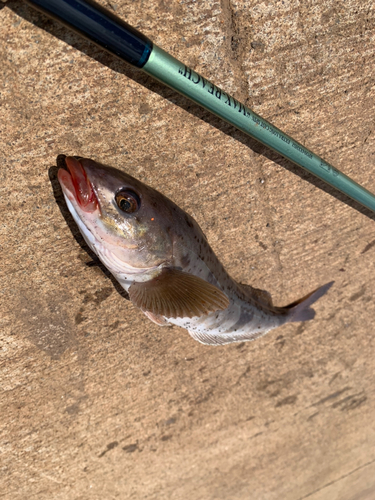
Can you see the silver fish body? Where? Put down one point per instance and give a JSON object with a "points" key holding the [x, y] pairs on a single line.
{"points": [[160, 256]]}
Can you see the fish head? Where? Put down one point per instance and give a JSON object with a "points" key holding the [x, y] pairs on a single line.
{"points": [[124, 221]]}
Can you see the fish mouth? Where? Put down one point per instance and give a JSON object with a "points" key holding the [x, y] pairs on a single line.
{"points": [[76, 185]]}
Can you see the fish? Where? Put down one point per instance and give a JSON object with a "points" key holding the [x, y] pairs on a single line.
{"points": [[158, 253]]}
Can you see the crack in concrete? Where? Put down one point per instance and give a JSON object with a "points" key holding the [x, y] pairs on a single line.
{"points": [[338, 479], [234, 31]]}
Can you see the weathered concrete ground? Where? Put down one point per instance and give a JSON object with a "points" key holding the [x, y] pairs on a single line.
{"points": [[96, 401]]}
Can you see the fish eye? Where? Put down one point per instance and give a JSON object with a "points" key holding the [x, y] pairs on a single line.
{"points": [[127, 201]]}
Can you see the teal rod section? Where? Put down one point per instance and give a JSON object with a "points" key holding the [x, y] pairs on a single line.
{"points": [[176, 75]]}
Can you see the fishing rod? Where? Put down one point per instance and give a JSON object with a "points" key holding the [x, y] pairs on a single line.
{"points": [[119, 38]]}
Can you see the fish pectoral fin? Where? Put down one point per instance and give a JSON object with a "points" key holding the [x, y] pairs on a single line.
{"points": [[176, 294], [157, 319], [263, 296]]}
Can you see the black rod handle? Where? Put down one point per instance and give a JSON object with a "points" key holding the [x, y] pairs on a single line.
{"points": [[100, 26]]}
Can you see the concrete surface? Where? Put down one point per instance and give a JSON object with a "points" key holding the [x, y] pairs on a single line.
{"points": [[97, 402]]}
